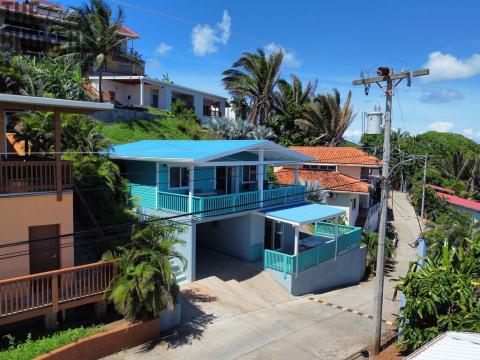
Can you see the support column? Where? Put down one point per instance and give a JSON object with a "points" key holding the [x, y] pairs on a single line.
{"points": [[168, 98], [297, 238], [142, 92], [295, 174], [58, 155], [100, 309], [3, 134], [336, 237], [51, 321], [157, 182], [260, 176], [198, 105], [191, 187]]}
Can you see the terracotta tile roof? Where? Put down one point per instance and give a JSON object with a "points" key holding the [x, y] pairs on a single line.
{"points": [[458, 201], [329, 180], [338, 155], [125, 30], [442, 189]]}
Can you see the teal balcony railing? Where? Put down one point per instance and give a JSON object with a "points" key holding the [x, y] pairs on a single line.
{"points": [[349, 238], [204, 206]]}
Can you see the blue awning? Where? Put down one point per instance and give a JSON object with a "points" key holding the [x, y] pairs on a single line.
{"points": [[304, 214]]}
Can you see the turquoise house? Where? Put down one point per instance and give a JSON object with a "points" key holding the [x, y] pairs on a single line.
{"points": [[220, 190]]}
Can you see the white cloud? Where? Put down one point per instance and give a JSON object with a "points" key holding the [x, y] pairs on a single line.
{"points": [[441, 126], [448, 67], [163, 48], [289, 57], [353, 135], [471, 133], [224, 27], [205, 37], [440, 96]]}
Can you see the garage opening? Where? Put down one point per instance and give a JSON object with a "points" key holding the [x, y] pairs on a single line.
{"points": [[224, 247]]}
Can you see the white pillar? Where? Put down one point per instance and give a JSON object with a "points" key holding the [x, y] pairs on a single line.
{"points": [[260, 176], [336, 236], [168, 98], [191, 187], [297, 238], [142, 91], [296, 174], [157, 181], [198, 104]]}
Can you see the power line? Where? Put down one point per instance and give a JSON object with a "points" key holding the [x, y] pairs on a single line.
{"points": [[168, 218]]}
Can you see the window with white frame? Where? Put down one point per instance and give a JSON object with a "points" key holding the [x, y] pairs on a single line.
{"points": [[249, 174], [178, 177]]}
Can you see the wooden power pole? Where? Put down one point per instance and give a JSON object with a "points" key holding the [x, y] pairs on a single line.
{"points": [[385, 75]]}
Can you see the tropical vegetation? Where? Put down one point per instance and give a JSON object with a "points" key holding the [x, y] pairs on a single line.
{"points": [[441, 295], [32, 347], [296, 114], [93, 36], [145, 284]]}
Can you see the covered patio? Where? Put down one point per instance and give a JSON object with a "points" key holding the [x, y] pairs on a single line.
{"points": [[306, 261]]}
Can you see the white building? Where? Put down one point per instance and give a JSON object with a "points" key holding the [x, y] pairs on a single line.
{"points": [[145, 91]]}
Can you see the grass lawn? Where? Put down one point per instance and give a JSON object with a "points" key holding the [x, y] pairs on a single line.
{"points": [[166, 126], [31, 348]]}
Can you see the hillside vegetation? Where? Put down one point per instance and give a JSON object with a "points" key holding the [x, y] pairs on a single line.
{"points": [[166, 126]]}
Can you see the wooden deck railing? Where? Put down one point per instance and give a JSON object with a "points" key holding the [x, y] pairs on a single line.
{"points": [[49, 292], [32, 176]]}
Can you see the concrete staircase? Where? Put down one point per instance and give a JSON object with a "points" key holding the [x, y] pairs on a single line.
{"points": [[180, 276]]}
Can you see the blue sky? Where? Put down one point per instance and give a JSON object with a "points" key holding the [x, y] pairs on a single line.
{"points": [[332, 41]]}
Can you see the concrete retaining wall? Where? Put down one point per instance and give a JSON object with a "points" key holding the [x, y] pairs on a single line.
{"points": [[117, 115], [123, 336], [349, 268]]}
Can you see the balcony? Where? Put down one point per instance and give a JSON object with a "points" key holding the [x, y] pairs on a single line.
{"points": [[32, 34], [315, 249], [216, 205], [18, 176]]}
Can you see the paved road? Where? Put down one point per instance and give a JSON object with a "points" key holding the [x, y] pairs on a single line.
{"points": [[246, 315]]}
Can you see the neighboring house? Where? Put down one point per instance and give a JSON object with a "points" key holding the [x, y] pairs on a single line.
{"points": [[145, 91], [36, 199], [29, 28], [449, 345], [218, 190], [348, 175], [468, 206]]}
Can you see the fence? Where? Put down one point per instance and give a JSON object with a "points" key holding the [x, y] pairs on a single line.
{"points": [[32, 176], [49, 292]]}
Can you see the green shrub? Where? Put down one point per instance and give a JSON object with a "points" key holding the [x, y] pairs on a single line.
{"points": [[442, 295], [370, 241], [31, 348]]}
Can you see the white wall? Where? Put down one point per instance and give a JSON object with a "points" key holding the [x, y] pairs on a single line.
{"points": [[345, 202], [233, 236], [352, 171]]}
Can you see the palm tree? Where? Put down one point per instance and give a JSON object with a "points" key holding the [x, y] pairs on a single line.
{"points": [[293, 94], [327, 119], [93, 33], [254, 76], [145, 284], [262, 132], [458, 166]]}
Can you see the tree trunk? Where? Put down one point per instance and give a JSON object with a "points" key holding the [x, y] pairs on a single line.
{"points": [[100, 93]]}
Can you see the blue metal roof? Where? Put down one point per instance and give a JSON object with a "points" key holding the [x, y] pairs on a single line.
{"points": [[203, 151], [186, 150], [304, 214]]}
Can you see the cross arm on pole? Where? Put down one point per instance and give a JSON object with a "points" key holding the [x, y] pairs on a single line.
{"points": [[397, 76]]}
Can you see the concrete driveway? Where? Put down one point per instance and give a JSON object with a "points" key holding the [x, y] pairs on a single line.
{"points": [[236, 311]]}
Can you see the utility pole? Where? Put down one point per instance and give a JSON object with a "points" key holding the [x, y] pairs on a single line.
{"points": [[384, 75], [422, 211]]}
